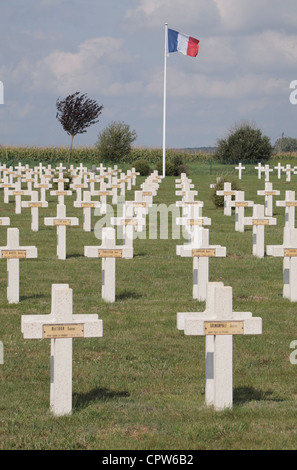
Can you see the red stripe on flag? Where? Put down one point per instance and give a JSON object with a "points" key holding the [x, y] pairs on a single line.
{"points": [[193, 47]]}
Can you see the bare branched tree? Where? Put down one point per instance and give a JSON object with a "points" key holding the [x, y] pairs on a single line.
{"points": [[76, 113]]}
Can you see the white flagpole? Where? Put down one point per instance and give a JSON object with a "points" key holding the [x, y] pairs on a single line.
{"points": [[164, 102]]}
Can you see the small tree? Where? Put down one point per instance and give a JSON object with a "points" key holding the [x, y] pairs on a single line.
{"points": [[114, 142], [245, 144], [76, 113]]}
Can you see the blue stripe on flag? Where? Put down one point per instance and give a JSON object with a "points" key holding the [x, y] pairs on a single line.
{"points": [[172, 40]]}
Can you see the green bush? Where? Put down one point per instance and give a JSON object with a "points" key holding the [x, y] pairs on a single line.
{"points": [[219, 200], [143, 167], [114, 142], [245, 144], [173, 167]]}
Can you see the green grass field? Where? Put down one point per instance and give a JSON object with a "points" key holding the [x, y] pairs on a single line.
{"points": [[141, 386]]}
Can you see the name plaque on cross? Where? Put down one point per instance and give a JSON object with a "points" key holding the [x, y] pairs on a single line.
{"points": [[291, 203], [290, 252], [106, 253], [71, 330], [204, 252], [13, 254], [224, 327], [62, 222], [260, 222]]}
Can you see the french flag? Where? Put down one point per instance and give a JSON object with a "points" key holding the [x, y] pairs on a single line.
{"points": [[179, 42]]}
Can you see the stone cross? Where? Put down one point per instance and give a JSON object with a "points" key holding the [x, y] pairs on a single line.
{"points": [[289, 203], [6, 185], [259, 222], [44, 186], [240, 204], [34, 205], [267, 172], [86, 204], [61, 192], [61, 222], [108, 251], [130, 224], [200, 250], [227, 193], [289, 252], [114, 186], [60, 326], [192, 221], [288, 170], [259, 168], [78, 186], [279, 169], [17, 192], [103, 193], [140, 204], [268, 192], [218, 323], [13, 252], [240, 167]]}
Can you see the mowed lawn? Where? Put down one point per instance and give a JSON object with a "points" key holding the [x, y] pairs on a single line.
{"points": [[141, 386]]}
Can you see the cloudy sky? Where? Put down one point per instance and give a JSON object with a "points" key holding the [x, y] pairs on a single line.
{"points": [[113, 50]]}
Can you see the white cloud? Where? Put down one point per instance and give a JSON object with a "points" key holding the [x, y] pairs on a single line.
{"points": [[91, 68]]}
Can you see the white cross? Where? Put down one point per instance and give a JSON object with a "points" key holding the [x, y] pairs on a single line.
{"points": [[130, 223], [289, 203], [44, 186], [192, 221], [61, 222], [259, 221], [61, 325], [240, 204], [279, 169], [227, 193], [13, 252], [267, 170], [86, 204], [114, 186], [288, 170], [240, 167], [78, 186], [200, 250], [17, 192], [269, 192], [61, 192], [259, 168], [34, 205], [108, 251], [218, 323], [103, 193], [289, 251]]}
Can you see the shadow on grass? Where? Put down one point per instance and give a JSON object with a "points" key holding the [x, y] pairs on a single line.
{"points": [[33, 296], [82, 400], [128, 294], [243, 395]]}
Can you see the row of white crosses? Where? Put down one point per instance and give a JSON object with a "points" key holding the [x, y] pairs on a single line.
{"points": [[260, 219], [262, 214], [13, 251], [288, 170], [218, 323], [61, 325], [198, 246], [133, 219]]}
